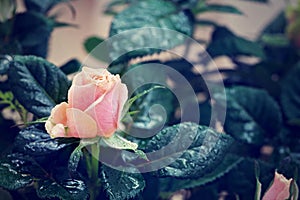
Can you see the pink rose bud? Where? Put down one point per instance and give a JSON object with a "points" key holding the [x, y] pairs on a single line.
{"points": [[279, 190], [95, 102]]}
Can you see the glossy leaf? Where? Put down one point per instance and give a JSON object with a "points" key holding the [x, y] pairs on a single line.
{"points": [[249, 114], [69, 189], [12, 176], [121, 185], [224, 42], [173, 184], [75, 157], [290, 100], [149, 13], [37, 84], [118, 142], [205, 151], [34, 140]]}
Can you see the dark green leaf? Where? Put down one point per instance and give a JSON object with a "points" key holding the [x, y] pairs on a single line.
{"points": [[12, 176], [186, 4], [276, 26], [34, 140], [75, 157], [69, 189], [42, 6], [195, 150], [290, 97], [249, 113], [142, 81], [121, 185], [71, 66], [173, 184], [206, 23], [32, 31], [242, 180], [37, 84], [224, 42], [149, 13], [217, 8], [91, 43], [277, 40]]}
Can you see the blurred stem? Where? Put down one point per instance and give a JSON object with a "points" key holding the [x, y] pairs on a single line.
{"points": [[93, 170]]}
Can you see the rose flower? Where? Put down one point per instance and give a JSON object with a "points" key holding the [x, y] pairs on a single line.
{"points": [[95, 102]]}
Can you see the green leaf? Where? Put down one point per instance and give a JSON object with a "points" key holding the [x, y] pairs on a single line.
{"points": [[34, 140], [205, 151], [12, 176], [277, 40], [121, 185], [186, 4], [69, 189], [42, 6], [277, 25], [149, 116], [75, 157], [225, 43], [249, 113], [91, 43], [37, 84], [71, 67], [130, 102], [173, 184], [217, 8], [290, 100], [148, 14], [118, 142]]}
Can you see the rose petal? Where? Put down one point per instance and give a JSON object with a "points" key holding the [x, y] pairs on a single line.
{"points": [[107, 110], [85, 76], [81, 97], [80, 124], [58, 113], [58, 131], [123, 96]]}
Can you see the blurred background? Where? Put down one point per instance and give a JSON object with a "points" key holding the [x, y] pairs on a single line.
{"points": [[67, 42]]}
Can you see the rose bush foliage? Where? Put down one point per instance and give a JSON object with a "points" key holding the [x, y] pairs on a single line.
{"points": [[75, 121]]}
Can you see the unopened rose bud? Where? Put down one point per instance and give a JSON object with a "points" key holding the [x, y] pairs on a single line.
{"points": [[280, 188]]}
